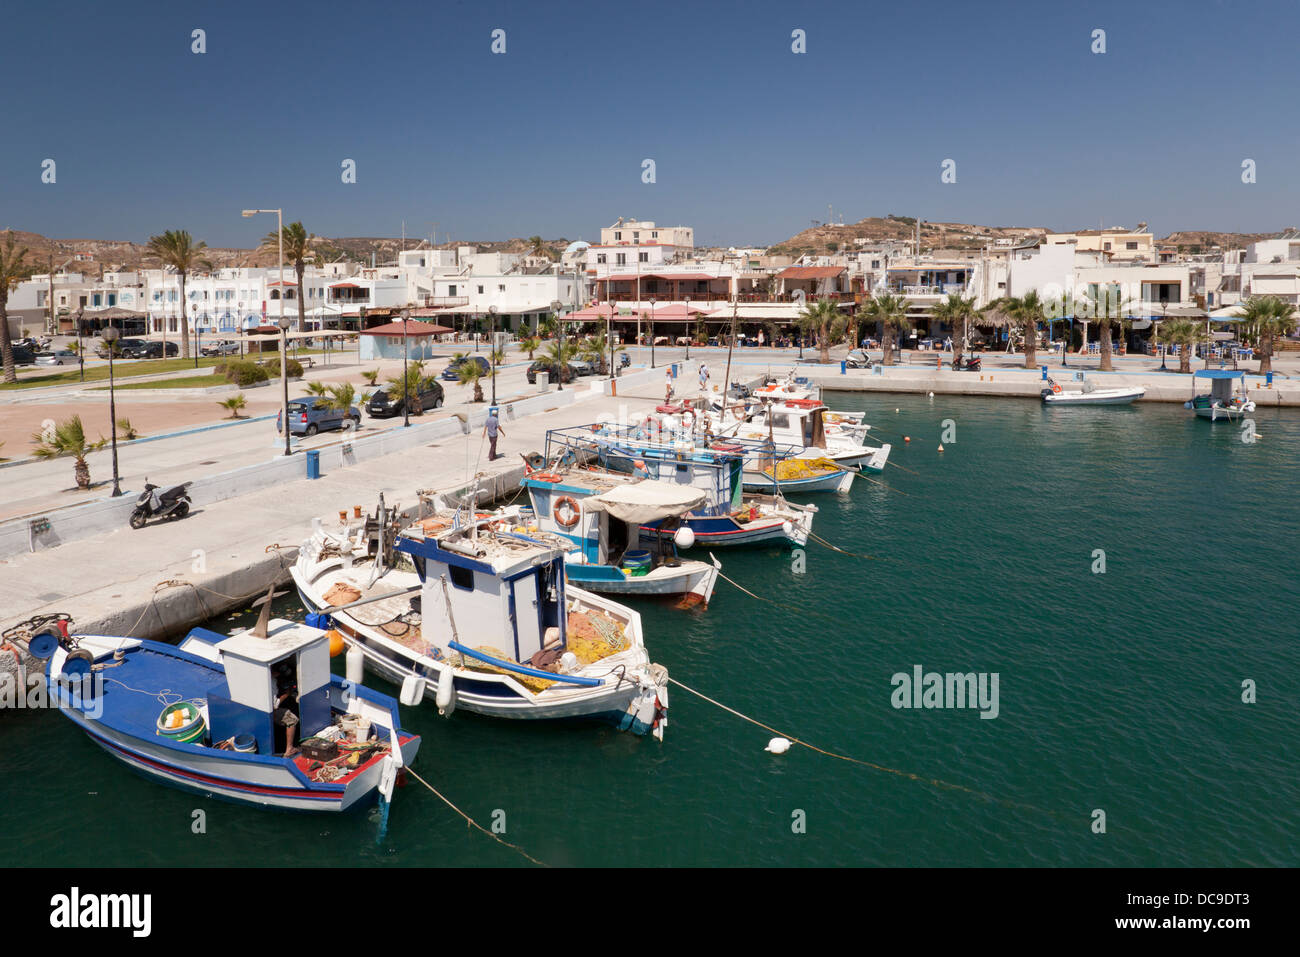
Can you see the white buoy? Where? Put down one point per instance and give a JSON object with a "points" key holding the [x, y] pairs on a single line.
{"points": [[412, 690], [355, 665], [895, 412], [778, 745], [931, 395], [446, 697], [684, 537], [787, 528]]}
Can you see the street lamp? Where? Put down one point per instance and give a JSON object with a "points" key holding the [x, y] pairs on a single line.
{"points": [[556, 306], [406, 381], [688, 328], [492, 354], [81, 359], [110, 340], [652, 331], [283, 323]]}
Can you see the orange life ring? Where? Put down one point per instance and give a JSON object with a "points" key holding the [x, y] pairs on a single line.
{"points": [[570, 504], [1056, 387]]}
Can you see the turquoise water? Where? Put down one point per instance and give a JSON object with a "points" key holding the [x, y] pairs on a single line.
{"points": [[1118, 691]]}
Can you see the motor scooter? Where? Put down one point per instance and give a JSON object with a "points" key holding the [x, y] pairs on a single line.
{"points": [[169, 504]]}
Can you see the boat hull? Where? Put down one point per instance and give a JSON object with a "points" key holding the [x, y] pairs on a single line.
{"points": [[1099, 397]]}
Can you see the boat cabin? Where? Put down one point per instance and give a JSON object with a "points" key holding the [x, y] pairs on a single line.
{"points": [[258, 670], [502, 590]]}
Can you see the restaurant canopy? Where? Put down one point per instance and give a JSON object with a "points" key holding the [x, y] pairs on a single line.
{"points": [[413, 329]]}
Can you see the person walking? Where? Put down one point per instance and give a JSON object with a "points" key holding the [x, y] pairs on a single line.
{"points": [[704, 377], [492, 428]]}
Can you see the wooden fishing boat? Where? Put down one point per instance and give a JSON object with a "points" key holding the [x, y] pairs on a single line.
{"points": [[1225, 402], [203, 716]]}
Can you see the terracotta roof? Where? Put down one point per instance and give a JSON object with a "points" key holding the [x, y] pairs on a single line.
{"points": [[417, 329]]}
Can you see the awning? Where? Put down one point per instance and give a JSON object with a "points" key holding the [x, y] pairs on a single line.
{"points": [[811, 272], [416, 330], [647, 501]]}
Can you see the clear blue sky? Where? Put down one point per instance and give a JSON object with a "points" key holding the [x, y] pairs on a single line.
{"points": [[751, 141]]}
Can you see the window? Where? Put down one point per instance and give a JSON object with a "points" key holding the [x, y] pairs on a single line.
{"points": [[480, 290], [636, 236], [1130, 245], [618, 236], [98, 299], [1105, 246], [655, 234], [451, 291], [112, 299], [462, 577], [621, 259], [643, 257], [600, 257], [501, 287]]}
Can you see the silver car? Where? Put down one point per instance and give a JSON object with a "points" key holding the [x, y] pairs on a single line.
{"points": [[58, 357]]}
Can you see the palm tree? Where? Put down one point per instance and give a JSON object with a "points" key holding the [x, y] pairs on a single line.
{"points": [[1187, 334], [1264, 319], [1027, 312], [409, 385], [824, 319], [341, 398], [317, 388], [596, 349], [234, 404], [176, 249], [1105, 310], [472, 372], [370, 375], [296, 251], [68, 438], [537, 247], [557, 356], [11, 270], [891, 312], [530, 344], [956, 313]]}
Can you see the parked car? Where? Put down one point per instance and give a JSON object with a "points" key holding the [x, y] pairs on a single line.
{"points": [[152, 350], [59, 357], [101, 347], [582, 367], [23, 356], [429, 393], [310, 414], [541, 365], [221, 349], [451, 373]]}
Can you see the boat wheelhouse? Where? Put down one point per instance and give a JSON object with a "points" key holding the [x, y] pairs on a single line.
{"points": [[1227, 399]]}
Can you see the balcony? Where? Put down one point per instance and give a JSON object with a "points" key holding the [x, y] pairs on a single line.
{"points": [[444, 302]]}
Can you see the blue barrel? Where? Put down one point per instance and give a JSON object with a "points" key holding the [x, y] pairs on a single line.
{"points": [[313, 463], [637, 559], [1044, 370], [1269, 377], [844, 367], [245, 744]]}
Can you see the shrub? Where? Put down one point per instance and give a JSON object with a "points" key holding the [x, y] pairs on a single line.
{"points": [[245, 372], [292, 367]]}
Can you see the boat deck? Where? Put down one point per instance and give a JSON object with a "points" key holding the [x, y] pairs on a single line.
{"points": [[136, 691]]}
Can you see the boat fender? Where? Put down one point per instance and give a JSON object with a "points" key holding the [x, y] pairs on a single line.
{"points": [[387, 778], [568, 662], [684, 537], [567, 511], [355, 665], [446, 697], [778, 745], [787, 528], [412, 690]]}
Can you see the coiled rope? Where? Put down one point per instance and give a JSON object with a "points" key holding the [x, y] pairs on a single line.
{"points": [[469, 821]]}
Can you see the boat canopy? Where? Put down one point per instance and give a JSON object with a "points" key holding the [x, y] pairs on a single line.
{"points": [[646, 502], [1219, 373]]}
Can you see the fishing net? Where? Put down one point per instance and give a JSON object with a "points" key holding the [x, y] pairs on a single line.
{"points": [[802, 468]]}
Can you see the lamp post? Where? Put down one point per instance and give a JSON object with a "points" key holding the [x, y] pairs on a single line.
{"points": [[492, 353], [688, 328], [653, 300], [81, 359], [110, 339], [406, 381], [281, 322], [556, 306]]}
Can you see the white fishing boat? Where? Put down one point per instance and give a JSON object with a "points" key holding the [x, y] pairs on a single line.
{"points": [[481, 617], [1090, 394], [598, 517], [1225, 401]]}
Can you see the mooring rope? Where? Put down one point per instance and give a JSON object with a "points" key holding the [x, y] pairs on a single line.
{"points": [[780, 604], [844, 551], [911, 776], [470, 821]]}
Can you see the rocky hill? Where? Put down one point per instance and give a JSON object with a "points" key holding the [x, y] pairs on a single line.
{"points": [[830, 237]]}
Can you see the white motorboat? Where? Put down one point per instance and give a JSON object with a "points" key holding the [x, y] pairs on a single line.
{"points": [[1090, 395]]}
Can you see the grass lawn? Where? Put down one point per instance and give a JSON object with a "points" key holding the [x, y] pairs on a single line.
{"points": [[121, 370], [185, 382]]}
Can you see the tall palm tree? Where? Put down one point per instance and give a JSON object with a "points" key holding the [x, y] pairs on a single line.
{"points": [[537, 247], [824, 319], [1187, 334], [530, 344], [68, 438], [408, 385], [1027, 312], [1266, 318], [12, 270], [597, 350], [296, 250], [177, 249], [891, 312], [558, 354], [1107, 309], [472, 372], [956, 312]]}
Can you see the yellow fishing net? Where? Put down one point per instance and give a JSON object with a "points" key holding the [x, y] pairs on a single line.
{"points": [[802, 468], [591, 637]]}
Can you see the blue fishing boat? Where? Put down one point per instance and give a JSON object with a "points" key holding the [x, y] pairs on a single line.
{"points": [[728, 516], [255, 717]]}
